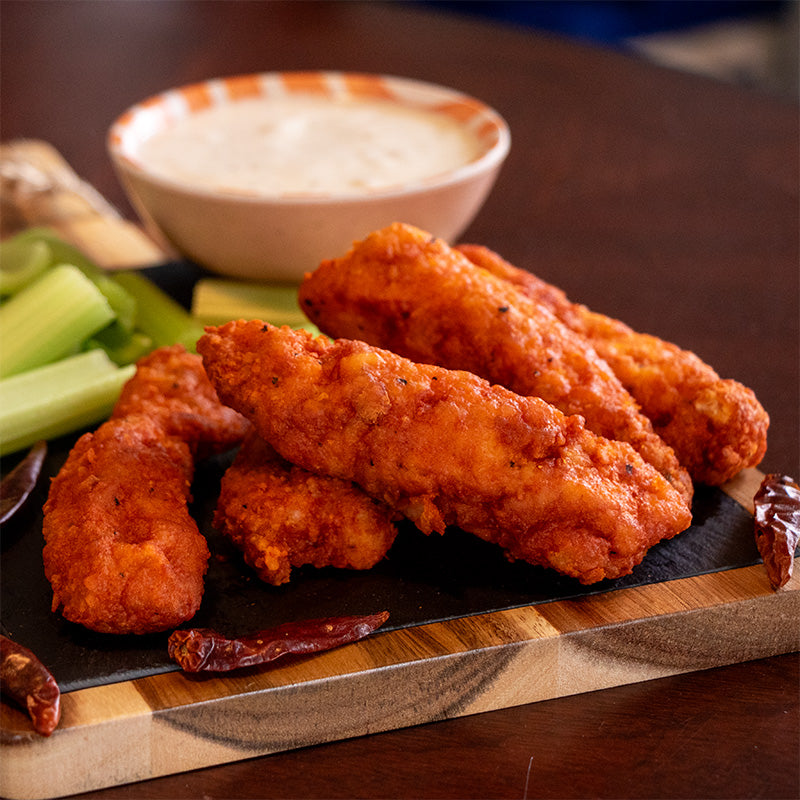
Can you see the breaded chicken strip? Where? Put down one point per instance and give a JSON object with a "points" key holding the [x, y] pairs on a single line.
{"points": [[171, 387], [121, 552], [717, 427], [281, 516], [447, 448], [402, 290]]}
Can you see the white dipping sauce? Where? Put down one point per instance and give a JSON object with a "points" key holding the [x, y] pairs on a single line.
{"points": [[303, 145]]}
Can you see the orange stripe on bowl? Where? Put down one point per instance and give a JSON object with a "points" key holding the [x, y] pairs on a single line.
{"points": [[243, 86], [197, 96], [124, 120], [367, 86], [462, 110], [151, 102], [488, 129], [305, 82]]}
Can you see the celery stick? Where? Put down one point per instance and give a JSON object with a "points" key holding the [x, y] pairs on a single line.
{"points": [[49, 319], [121, 301], [21, 390], [158, 316], [21, 262], [124, 349], [61, 251], [58, 399], [217, 301], [118, 335]]}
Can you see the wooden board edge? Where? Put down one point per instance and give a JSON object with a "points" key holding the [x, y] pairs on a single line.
{"points": [[171, 723]]}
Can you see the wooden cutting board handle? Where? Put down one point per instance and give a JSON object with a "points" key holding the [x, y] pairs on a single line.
{"points": [[39, 188]]}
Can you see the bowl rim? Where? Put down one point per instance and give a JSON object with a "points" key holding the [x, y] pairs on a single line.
{"points": [[492, 157]]}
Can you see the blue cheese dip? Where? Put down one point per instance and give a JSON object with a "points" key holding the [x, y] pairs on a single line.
{"points": [[308, 145]]}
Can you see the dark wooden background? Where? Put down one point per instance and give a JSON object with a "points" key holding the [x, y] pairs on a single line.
{"points": [[664, 199]]}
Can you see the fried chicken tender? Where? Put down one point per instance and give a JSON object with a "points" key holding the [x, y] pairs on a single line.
{"points": [[402, 290], [446, 447], [281, 516], [122, 553], [171, 387], [716, 426]]}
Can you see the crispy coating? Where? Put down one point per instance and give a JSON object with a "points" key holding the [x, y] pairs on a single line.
{"points": [[121, 552], [281, 516], [446, 448], [171, 387], [402, 290], [716, 426]]}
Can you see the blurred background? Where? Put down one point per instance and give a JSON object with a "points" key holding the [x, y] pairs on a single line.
{"points": [[747, 42]]}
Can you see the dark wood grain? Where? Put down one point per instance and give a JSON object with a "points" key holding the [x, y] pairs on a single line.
{"points": [[663, 199], [724, 733]]}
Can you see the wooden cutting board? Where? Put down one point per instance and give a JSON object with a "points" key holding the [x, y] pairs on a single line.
{"points": [[466, 636]]}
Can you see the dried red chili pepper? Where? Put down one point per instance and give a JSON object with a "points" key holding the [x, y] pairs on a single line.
{"points": [[202, 649], [17, 486], [777, 523], [28, 682]]}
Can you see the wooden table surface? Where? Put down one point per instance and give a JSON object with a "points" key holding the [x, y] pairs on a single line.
{"points": [[660, 198]]}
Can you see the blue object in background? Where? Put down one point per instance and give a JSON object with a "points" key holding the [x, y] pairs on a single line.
{"points": [[611, 22]]}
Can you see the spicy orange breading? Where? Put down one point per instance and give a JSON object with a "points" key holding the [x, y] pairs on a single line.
{"points": [[716, 426], [281, 516], [122, 553], [171, 387], [405, 291], [446, 447]]}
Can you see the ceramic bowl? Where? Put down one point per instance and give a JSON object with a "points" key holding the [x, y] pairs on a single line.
{"points": [[278, 237]]}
